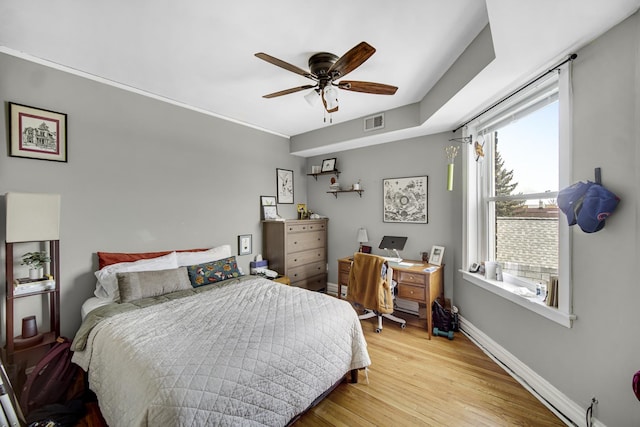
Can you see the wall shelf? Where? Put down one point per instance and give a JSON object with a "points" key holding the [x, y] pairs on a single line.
{"points": [[333, 172], [335, 193]]}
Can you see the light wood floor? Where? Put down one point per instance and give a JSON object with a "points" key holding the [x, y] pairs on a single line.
{"points": [[417, 382]]}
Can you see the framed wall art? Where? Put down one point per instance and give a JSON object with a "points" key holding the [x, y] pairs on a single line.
{"points": [[267, 200], [405, 199], [37, 133], [284, 182], [270, 212], [328, 165]]}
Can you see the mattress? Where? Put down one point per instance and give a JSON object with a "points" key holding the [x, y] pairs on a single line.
{"points": [[91, 303], [246, 352]]}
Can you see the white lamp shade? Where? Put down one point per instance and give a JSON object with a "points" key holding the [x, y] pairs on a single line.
{"points": [[331, 97], [362, 235], [312, 97], [32, 217]]}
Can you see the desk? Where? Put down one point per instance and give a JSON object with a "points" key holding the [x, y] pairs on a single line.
{"points": [[414, 284]]}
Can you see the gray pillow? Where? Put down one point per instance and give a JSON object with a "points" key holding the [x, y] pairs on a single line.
{"points": [[135, 285]]}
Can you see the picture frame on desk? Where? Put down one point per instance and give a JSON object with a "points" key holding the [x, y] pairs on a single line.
{"points": [[437, 255]]}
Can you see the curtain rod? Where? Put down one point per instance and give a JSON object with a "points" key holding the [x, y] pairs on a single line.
{"points": [[571, 57]]}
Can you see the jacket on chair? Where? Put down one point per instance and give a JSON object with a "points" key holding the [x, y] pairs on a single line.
{"points": [[367, 284]]}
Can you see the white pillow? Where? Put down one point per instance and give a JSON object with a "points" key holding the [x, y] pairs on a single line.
{"points": [[107, 286], [186, 259]]}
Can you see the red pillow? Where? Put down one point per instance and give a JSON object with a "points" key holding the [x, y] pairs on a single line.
{"points": [[108, 258]]}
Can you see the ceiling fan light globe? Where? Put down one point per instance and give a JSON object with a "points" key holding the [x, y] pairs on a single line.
{"points": [[331, 97], [312, 98]]}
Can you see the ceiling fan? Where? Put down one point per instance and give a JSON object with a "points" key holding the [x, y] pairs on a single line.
{"points": [[325, 69]]}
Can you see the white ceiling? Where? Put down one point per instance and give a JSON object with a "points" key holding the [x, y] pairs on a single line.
{"points": [[200, 53]]}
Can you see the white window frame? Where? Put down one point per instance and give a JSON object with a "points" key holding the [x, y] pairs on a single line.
{"points": [[475, 228]]}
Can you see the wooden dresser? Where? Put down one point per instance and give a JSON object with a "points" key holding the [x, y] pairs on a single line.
{"points": [[297, 249], [414, 284]]}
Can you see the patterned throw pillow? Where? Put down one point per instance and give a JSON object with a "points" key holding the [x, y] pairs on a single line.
{"points": [[212, 272]]}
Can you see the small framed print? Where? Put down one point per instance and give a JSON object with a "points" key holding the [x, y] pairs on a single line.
{"points": [[244, 244], [37, 134], [437, 255], [284, 181], [328, 165], [269, 212], [267, 200]]}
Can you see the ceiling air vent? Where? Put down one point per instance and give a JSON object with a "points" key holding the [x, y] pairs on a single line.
{"points": [[374, 122]]}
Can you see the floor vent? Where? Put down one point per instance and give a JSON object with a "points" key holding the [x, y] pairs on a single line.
{"points": [[374, 122]]}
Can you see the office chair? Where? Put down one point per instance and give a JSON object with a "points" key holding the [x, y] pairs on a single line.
{"points": [[371, 287]]}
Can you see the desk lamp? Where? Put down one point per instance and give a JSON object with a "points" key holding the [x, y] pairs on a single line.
{"points": [[362, 237]]}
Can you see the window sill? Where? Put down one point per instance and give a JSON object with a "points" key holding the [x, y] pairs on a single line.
{"points": [[506, 291]]}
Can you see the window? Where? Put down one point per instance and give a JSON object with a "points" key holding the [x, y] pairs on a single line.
{"points": [[511, 213]]}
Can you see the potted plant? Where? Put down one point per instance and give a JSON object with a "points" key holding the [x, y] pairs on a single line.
{"points": [[35, 261]]}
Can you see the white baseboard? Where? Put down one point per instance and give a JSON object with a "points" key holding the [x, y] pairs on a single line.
{"points": [[567, 410]]}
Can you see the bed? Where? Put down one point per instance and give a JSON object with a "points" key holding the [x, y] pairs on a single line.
{"points": [[243, 350]]}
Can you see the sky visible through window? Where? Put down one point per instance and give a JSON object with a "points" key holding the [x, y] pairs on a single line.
{"points": [[529, 147]]}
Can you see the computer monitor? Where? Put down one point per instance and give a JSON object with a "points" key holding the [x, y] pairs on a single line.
{"points": [[395, 244], [392, 242]]}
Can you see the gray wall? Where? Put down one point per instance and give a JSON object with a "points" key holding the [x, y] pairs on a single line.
{"points": [[348, 212], [598, 356], [142, 175]]}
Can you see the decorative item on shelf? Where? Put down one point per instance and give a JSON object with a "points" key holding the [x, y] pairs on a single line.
{"points": [[329, 165], [301, 208], [30, 333], [316, 169], [362, 237], [356, 186], [437, 255], [452, 152], [36, 262], [335, 185]]}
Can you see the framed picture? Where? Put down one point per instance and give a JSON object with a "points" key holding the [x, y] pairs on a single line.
{"points": [[37, 134], [284, 182], [244, 244], [405, 199], [437, 255], [270, 212], [267, 200], [328, 165]]}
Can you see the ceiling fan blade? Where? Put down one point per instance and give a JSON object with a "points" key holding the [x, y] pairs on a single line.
{"points": [[367, 87], [351, 60], [288, 91], [289, 67]]}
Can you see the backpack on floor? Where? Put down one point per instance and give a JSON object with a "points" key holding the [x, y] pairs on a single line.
{"points": [[441, 317], [50, 379]]}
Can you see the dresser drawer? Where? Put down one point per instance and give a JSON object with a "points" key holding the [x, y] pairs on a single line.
{"points": [[306, 257], [412, 292], [306, 271], [315, 283], [304, 241], [311, 226], [344, 267], [410, 277]]}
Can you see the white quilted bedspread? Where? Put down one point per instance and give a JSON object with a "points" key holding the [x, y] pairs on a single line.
{"points": [[251, 353]]}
